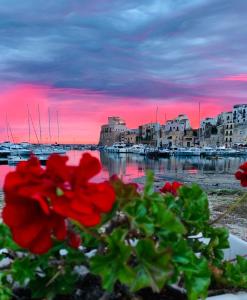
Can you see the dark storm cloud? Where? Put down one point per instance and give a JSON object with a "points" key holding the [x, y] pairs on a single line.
{"points": [[144, 49]]}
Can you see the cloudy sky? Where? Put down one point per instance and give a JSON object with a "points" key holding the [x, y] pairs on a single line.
{"points": [[87, 59]]}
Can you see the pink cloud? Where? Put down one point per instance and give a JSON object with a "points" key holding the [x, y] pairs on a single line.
{"points": [[238, 77]]}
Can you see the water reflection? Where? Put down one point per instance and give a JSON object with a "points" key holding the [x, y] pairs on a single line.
{"points": [[129, 166]]}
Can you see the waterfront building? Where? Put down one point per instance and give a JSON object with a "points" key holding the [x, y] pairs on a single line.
{"points": [[130, 136], [212, 130], [227, 129], [239, 136], [149, 134], [190, 138], [239, 133], [172, 132], [240, 114], [225, 120], [112, 132]]}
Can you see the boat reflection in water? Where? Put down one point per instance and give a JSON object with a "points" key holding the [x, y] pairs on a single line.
{"points": [[129, 165]]}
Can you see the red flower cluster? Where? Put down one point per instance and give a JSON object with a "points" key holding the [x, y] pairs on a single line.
{"points": [[39, 202], [171, 187], [242, 176]]}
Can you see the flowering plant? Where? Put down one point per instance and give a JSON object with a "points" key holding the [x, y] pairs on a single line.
{"points": [[54, 217]]}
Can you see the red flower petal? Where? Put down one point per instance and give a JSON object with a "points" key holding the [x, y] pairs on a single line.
{"points": [[89, 167], [56, 167], [74, 240], [42, 243], [102, 196], [167, 188], [238, 175], [59, 227], [243, 167]]}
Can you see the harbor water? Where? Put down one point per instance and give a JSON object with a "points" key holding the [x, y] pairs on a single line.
{"points": [[130, 166]]}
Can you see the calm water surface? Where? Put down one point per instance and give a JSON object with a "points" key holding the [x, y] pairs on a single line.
{"points": [[129, 166]]}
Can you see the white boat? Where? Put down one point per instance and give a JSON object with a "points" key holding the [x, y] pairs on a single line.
{"points": [[4, 153], [208, 151], [14, 159], [138, 149], [118, 148], [163, 152], [187, 152]]}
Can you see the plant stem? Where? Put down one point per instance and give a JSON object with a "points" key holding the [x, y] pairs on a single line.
{"points": [[230, 209]]}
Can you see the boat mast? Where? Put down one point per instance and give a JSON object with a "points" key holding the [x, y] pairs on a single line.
{"points": [[35, 132], [49, 119], [58, 129], [29, 127], [157, 130], [7, 128], [10, 130], [199, 118], [40, 132]]}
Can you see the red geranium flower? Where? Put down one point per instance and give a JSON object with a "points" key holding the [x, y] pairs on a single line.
{"points": [[171, 187], [80, 199], [242, 176], [27, 212], [38, 201]]}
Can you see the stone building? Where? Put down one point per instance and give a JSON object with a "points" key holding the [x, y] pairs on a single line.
{"points": [[112, 132], [225, 119], [240, 114], [190, 138], [149, 134], [239, 136], [130, 136], [172, 132]]}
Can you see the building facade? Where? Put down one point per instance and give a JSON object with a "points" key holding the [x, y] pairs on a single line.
{"points": [[228, 129], [112, 132], [172, 133]]}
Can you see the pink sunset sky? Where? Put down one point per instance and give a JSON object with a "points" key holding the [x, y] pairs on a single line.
{"points": [[87, 60]]}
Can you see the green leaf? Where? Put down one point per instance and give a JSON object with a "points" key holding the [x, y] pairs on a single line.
{"points": [[153, 267], [113, 265], [6, 240], [167, 221], [149, 184], [235, 274], [192, 207], [198, 280]]}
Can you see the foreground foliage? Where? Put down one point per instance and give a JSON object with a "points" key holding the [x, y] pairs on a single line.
{"points": [[137, 238]]}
